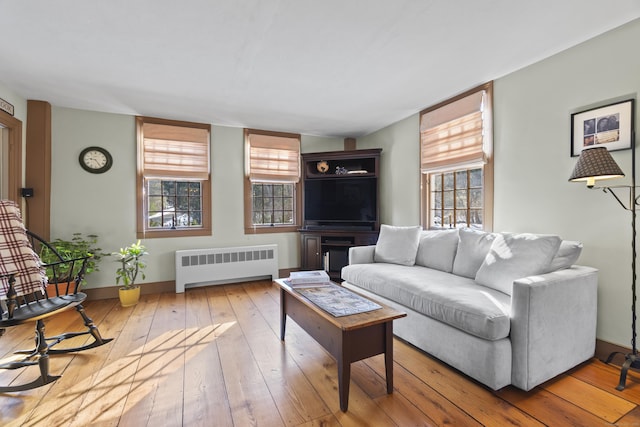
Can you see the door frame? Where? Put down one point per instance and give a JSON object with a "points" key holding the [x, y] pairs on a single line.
{"points": [[14, 129]]}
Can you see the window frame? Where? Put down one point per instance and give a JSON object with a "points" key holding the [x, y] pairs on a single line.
{"points": [[142, 232], [487, 166], [249, 227]]}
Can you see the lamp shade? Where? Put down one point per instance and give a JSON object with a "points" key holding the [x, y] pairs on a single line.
{"points": [[593, 164]]}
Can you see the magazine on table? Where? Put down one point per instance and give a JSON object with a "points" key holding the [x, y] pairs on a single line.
{"points": [[308, 278]]}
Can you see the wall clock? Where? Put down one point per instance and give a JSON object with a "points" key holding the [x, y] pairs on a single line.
{"points": [[95, 160]]}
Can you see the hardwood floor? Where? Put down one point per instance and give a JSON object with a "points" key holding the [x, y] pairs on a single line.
{"points": [[212, 357]]}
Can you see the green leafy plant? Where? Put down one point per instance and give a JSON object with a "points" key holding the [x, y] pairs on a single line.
{"points": [[79, 246], [131, 264]]}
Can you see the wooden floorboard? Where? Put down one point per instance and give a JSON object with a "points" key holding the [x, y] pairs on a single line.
{"points": [[213, 357]]}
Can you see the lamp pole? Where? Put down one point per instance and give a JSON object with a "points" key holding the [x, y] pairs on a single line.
{"points": [[631, 359]]}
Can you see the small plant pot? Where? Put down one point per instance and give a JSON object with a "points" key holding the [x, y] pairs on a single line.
{"points": [[129, 297], [62, 289]]}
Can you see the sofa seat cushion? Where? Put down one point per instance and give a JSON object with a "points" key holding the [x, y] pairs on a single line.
{"points": [[454, 300]]}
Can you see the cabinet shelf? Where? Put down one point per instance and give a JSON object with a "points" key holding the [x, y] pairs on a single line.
{"points": [[325, 244]]}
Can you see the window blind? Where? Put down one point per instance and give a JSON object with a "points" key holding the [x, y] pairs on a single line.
{"points": [[452, 135], [175, 151], [273, 158]]}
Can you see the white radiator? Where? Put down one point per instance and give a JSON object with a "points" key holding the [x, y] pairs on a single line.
{"points": [[199, 267]]}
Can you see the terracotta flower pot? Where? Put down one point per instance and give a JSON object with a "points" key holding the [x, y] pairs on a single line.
{"points": [[62, 289], [129, 297]]}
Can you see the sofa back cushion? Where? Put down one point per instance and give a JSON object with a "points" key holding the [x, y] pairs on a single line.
{"points": [[473, 247], [397, 245], [567, 255], [437, 249], [514, 256]]}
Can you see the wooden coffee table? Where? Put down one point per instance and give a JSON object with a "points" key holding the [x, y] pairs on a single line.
{"points": [[347, 338]]}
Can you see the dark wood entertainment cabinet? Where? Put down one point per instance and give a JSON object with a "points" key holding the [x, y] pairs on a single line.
{"points": [[325, 245]]}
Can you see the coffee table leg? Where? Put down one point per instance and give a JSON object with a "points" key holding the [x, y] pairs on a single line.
{"points": [[344, 377], [283, 314], [388, 356]]}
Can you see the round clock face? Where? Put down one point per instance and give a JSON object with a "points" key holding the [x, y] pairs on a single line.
{"points": [[322, 166], [95, 160]]}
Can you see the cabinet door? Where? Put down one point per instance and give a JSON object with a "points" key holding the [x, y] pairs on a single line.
{"points": [[311, 252]]}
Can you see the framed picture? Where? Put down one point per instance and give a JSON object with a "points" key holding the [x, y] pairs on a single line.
{"points": [[608, 126]]}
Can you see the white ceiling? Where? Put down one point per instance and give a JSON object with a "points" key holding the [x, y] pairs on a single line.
{"points": [[321, 67]]}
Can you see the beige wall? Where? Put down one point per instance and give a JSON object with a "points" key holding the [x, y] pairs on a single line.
{"points": [[532, 109], [105, 204]]}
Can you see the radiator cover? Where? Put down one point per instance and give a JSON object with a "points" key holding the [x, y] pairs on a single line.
{"points": [[201, 267]]}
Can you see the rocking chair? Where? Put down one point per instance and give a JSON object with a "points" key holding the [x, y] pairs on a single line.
{"points": [[23, 295]]}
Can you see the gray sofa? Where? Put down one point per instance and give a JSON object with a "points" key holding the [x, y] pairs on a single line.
{"points": [[503, 308]]}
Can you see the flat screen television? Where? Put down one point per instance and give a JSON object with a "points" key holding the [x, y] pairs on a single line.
{"points": [[341, 202]]}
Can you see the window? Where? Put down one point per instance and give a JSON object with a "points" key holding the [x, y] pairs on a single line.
{"points": [[173, 184], [457, 163], [272, 181]]}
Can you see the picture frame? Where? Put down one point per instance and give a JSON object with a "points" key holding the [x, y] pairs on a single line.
{"points": [[610, 126]]}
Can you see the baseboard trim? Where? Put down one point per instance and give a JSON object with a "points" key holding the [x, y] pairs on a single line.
{"points": [[145, 288], [151, 288], [604, 349]]}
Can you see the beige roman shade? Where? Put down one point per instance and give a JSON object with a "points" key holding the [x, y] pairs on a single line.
{"points": [[175, 151], [273, 158], [452, 135]]}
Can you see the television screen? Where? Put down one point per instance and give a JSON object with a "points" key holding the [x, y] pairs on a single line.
{"points": [[348, 200]]}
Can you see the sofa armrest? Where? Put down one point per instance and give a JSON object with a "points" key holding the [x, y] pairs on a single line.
{"points": [[553, 323], [361, 254]]}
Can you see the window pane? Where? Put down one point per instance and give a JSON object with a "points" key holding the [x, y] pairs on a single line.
{"points": [[476, 219], [273, 204], [461, 218], [461, 179], [155, 187], [447, 218], [171, 210], [155, 203], [437, 182], [461, 199], [475, 198], [182, 188], [448, 199], [448, 181], [437, 218], [437, 200], [168, 188], [195, 188], [182, 202], [277, 204], [452, 208], [476, 178]]}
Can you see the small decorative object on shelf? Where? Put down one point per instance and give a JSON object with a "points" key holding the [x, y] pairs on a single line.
{"points": [[322, 166], [341, 170]]}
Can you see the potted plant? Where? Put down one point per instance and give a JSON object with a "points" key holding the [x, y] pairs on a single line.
{"points": [[77, 247], [131, 265]]}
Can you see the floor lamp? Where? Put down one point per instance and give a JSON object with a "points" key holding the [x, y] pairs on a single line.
{"points": [[596, 164]]}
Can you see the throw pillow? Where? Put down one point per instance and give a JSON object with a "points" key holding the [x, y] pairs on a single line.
{"points": [[473, 247], [437, 249], [567, 255], [514, 256], [397, 245]]}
